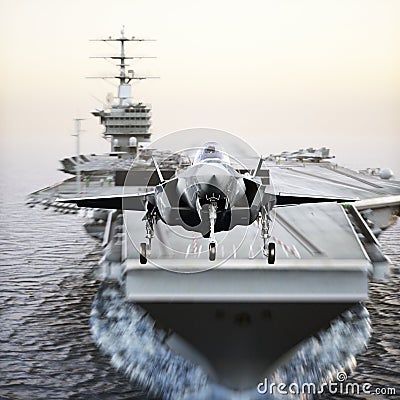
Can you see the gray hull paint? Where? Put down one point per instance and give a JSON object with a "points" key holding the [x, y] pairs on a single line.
{"points": [[240, 343]]}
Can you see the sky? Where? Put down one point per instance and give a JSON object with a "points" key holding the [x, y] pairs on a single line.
{"points": [[282, 75]]}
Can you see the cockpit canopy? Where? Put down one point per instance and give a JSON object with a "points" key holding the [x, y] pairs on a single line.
{"points": [[211, 152]]}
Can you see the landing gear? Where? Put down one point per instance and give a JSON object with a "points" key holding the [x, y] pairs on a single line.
{"points": [[149, 231], [143, 253], [212, 247], [212, 250], [145, 248], [271, 253], [268, 247]]}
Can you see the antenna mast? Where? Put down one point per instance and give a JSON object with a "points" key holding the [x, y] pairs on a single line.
{"points": [[124, 89], [77, 134], [126, 123]]}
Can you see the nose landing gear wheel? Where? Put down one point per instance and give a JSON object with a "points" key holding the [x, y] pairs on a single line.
{"points": [[143, 253], [212, 249], [271, 253]]}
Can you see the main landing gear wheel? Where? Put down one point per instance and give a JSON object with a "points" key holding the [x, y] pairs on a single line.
{"points": [[212, 251], [143, 253], [212, 247], [271, 253]]}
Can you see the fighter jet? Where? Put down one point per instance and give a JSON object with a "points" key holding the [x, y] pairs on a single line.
{"points": [[208, 197]]}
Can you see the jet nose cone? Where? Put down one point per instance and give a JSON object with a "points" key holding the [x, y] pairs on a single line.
{"points": [[212, 171], [214, 179], [213, 174]]}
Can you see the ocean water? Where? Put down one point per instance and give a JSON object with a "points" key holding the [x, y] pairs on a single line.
{"points": [[47, 292]]}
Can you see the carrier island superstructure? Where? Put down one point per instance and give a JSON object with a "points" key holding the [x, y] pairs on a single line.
{"points": [[242, 317]]}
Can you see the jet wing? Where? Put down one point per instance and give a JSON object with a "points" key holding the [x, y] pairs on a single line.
{"points": [[285, 199], [135, 202]]}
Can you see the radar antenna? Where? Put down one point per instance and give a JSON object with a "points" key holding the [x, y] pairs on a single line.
{"points": [[123, 77]]}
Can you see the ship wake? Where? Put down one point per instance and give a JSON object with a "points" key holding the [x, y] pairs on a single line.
{"points": [[126, 333]]}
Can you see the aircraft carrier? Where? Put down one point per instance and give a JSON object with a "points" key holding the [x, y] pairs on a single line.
{"points": [[238, 318]]}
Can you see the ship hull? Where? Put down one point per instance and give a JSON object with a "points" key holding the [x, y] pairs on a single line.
{"points": [[239, 344]]}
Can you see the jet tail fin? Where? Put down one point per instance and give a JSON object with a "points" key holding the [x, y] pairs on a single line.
{"points": [[160, 175], [259, 165]]}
